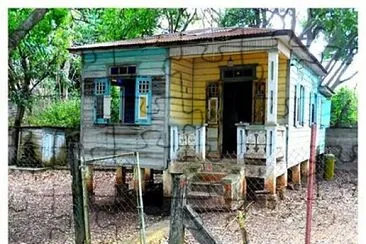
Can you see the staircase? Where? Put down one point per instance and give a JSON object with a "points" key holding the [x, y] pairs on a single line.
{"points": [[218, 189]]}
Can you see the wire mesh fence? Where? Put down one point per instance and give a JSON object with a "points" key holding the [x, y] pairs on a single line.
{"points": [[230, 201]]}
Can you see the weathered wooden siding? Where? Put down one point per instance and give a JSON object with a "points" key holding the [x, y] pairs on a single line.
{"points": [[149, 140], [282, 110], [324, 122], [299, 136], [181, 91], [207, 69], [150, 61]]}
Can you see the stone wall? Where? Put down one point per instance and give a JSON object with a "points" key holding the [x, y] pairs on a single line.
{"points": [[343, 143]]}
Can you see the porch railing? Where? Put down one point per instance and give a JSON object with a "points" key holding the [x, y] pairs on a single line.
{"points": [[188, 143], [262, 142]]}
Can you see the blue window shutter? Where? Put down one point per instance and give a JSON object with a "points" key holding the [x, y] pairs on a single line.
{"points": [[101, 96], [143, 100]]}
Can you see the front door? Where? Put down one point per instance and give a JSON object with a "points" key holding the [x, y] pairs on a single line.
{"points": [[237, 107]]}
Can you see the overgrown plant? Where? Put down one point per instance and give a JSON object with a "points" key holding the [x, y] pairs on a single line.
{"points": [[60, 113], [344, 108]]}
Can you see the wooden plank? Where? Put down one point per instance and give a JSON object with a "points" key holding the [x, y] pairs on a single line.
{"points": [[77, 193], [176, 230], [195, 225]]}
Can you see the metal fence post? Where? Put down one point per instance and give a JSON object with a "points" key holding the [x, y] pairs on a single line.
{"points": [[309, 203], [77, 192], [176, 230]]}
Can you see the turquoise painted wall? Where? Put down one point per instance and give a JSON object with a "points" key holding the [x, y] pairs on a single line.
{"points": [[149, 61]]}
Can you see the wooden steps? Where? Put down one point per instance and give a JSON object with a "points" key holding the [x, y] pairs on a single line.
{"points": [[209, 191]]}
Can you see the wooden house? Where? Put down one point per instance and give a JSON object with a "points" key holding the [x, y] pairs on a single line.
{"points": [[227, 104]]}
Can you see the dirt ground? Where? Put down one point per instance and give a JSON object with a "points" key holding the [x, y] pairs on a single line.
{"points": [[40, 211]]}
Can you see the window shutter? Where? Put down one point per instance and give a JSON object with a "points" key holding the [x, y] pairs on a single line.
{"points": [[143, 100], [295, 106], [101, 100], [107, 107]]}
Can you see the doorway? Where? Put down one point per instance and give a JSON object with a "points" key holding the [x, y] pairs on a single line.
{"points": [[237, 107]]}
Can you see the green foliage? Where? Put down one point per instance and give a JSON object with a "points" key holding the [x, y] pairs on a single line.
{"points": [[60, 113], [39, 55], [344, 108], [115, 104], [241, 17], [120, 24], [340, 28]]}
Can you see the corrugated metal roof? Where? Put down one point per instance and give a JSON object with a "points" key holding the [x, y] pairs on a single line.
{"points": [[198, 35], [186, 36]]}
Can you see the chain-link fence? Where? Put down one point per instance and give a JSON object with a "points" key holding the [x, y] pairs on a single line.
{"points": [[274, 217], [228, 206]]}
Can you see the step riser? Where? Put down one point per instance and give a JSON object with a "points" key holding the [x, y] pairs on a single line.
{"points": [[218, 189]]}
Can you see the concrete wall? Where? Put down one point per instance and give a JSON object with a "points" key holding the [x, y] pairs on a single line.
{"points": [[343, 143], [40, 146]]}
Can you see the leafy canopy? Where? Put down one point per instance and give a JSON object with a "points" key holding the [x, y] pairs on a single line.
{"points": [[344, 108]]}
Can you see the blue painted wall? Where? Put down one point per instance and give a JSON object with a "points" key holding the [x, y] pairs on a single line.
{"points": [[149, 139]]}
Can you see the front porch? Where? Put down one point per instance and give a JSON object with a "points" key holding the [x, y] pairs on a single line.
{"points": [[224, 120]]}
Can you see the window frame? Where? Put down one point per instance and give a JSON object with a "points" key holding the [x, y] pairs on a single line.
{"points": [[252, 77], [299, 105], [214, 98], [104, 94]]}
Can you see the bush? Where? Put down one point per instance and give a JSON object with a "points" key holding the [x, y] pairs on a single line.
{"points": [[344, 108], [60, 113]]}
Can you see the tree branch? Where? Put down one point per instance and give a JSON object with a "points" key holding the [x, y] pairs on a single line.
{"points": [[24, 28]]}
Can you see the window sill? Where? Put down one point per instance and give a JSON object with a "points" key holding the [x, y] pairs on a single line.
{"points": [[119, 124]]}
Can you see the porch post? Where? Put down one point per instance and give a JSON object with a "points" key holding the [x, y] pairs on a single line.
{"points": [[271, 120], [272, 91], [201, 141]]}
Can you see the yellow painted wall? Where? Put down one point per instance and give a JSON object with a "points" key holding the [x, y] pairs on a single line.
{"points": [[282, 86], [191, 75], [181, 91], [208, 69]]}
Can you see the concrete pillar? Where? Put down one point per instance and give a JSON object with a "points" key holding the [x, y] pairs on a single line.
{"points": [[120, 180], [281, 185], [148, 177], [296, 176], [167, 184], [305, 170], [270, 184], [136, 179]]}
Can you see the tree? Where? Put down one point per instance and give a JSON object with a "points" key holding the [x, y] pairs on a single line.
{"points": [[22, 30], [341, 32], [37, 58], [339, 27], [177, 19], [344, 108]]}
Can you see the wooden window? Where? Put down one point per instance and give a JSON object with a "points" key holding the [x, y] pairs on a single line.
{"points": [[102, 101], [212, 103], [295, 106], [299, 105], [143, 100], [122, 70], [302, 105], [313, 108]]}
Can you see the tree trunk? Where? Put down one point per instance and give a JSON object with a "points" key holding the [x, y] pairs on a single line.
{"points": [[25, 27], [17, 123]]}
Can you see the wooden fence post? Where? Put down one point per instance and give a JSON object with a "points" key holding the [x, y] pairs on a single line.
{"points": [[176, 232], [77, 192]]}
